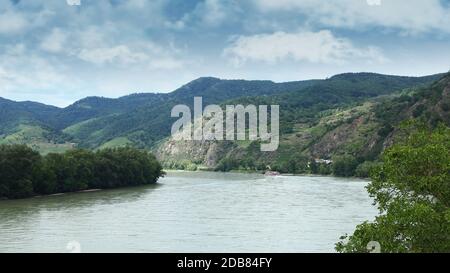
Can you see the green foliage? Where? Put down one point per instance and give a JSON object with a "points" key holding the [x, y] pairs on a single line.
{"points": [[296, 164], [188, 165], [385, 130], [365, 169], [344, 165], [17, 164], [412, 190], [445, 106], [324, 169], [419, 111], [24, 173], [227, 164]]}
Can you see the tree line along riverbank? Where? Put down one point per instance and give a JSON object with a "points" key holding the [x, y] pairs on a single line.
{"points": [[26, 173]]}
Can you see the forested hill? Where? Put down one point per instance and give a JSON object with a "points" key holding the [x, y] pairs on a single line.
{"points": [[143, 120], [345, 119]]}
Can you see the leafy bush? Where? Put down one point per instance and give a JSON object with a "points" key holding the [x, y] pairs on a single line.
{"points": [[344, 165], [364, 169], [412, 191]]}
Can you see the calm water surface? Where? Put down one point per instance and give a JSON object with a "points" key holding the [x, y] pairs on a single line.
{"points": [[192, 212]]}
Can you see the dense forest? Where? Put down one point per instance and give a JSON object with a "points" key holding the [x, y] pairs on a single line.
{"points": [[25, 173]]}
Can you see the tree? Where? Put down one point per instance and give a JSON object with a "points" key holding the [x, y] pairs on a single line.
{"points": [[344, 165], [364, 169], [412, 191], [296, 164], [24, 173], [324, 169], [17, 164], [313, 166], [45, 181]]}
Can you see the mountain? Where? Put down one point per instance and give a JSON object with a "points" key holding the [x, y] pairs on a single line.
{"points": [[138, 119], [93, 107], [14, 113], [215, 90], [350, 114], [27, 123], [143, 120], [144, 125]]}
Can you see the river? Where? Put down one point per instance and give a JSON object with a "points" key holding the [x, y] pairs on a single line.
{"points": [[192, 212]]}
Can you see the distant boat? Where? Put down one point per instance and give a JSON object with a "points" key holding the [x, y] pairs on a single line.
{"points": [[272, 173]]}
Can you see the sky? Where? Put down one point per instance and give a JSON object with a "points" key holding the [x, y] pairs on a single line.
{"points": [[59, 51]]}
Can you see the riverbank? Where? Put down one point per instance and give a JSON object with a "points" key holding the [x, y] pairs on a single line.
{"points": [[63, 193], [263, 172]]}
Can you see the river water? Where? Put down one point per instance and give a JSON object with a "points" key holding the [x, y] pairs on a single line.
{"points": [[191, 212]]}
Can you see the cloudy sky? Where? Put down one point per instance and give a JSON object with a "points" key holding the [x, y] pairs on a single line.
{"points": [[56, 53]]}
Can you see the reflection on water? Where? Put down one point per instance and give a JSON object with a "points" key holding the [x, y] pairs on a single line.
{"points": [[192, 212]]}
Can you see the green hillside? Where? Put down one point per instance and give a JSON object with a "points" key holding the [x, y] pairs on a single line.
{"points": [[345, 114], [148, 121], [357, 125]]}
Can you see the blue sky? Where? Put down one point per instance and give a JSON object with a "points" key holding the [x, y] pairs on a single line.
{"points": [[56, 53]]}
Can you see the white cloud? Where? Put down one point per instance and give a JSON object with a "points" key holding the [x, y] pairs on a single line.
{"points": [[136, 4], [166, 63], [103, 45], [210, 14], [313, 47], [55, 41], [410, 16], [147, 56], [35, 74], [214, 12], [24, 75], [92, 48], [12, 23], [121, 54]]}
